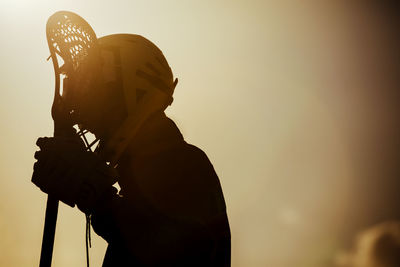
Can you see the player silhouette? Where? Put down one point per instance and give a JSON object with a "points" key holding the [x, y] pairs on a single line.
{"points": [[170, 210]]}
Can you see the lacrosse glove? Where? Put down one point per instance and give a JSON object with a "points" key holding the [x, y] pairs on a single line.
{"points": [[73, 175]]}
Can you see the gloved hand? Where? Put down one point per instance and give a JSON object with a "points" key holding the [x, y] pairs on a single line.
{"points": [[66, 170]]}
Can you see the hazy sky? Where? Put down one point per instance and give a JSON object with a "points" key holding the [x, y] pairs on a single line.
{"points": [[277, 93]]}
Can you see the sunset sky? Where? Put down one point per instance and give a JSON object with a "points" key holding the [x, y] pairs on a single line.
{"points": [[291, 100]]}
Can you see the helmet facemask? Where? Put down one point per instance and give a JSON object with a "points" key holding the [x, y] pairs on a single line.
{"points": [[95, 104]]}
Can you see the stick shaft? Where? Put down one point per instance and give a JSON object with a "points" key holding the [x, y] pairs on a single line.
{"points": [[49, 232]]}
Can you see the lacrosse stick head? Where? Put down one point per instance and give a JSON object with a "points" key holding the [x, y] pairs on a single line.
{"points": [[73, 50], [71, 37]]}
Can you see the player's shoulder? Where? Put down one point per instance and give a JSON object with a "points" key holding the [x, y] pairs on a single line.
{"points": [[193, 157], [196, 152]]}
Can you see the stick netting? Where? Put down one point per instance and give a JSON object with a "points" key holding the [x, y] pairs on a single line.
{"points": [[71, 37]]}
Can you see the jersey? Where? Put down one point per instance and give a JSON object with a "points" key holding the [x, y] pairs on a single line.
{"points": [[170, 210]]}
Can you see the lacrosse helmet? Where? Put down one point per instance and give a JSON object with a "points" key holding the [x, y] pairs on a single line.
{"points": [[136, 65], [114, 82]]}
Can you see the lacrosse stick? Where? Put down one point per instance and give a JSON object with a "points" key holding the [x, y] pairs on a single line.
{"points": [[71, 39]]}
